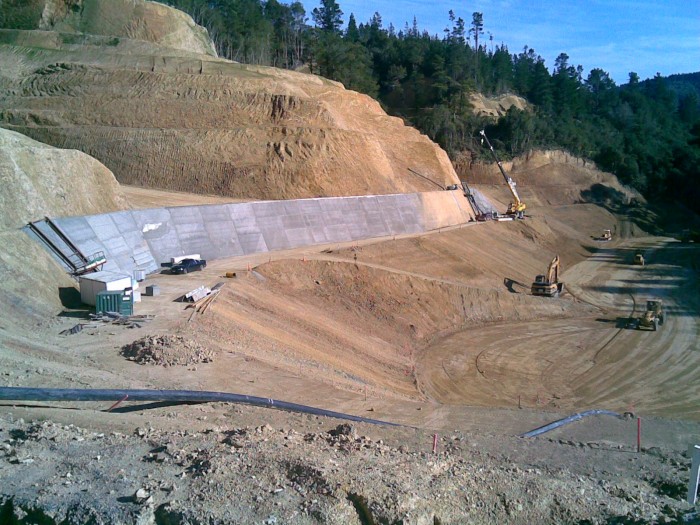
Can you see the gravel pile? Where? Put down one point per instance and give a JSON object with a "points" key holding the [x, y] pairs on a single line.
{"points": [[166, 350]]}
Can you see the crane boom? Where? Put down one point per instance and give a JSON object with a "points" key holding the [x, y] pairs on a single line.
{"points": [[517, 207]]}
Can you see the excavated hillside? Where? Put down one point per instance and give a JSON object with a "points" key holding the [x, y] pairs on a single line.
{"points": [[133, 19], [496, 106], [170, 119], [438, 332], [38, 181], [547, 178]]}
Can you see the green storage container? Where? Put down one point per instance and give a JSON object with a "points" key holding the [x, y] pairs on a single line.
{"points": [[117, 302]]}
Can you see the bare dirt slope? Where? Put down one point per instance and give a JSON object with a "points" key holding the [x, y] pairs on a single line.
{"points": [[415, 330], [133, 19], [38, 181], [170, 119], [142, 198], [547, 178], [496, 106]]}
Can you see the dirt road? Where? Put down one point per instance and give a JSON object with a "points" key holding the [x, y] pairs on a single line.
{"points": [[594, 362]]}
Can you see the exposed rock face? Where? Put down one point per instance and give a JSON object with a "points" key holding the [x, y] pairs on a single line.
{"points": [[496, 106], [134, 19], [170, 119]]}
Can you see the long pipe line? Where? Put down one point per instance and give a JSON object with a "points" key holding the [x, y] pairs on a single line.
{"points": [[70, 394], [567, 420], [427, 178]]}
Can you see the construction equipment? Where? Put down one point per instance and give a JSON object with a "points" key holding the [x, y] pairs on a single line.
{"points": [[548, 285], [652, 318], [479, 213], [639, 259], [517, 207], [605, 236]]}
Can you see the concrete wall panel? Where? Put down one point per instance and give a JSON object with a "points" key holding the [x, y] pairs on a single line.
{"points": [[124, 221], [77, 228], [144, 239], [104, 226]]}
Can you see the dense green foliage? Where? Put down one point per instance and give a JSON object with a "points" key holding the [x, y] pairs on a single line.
{"points": [[647, 133]]}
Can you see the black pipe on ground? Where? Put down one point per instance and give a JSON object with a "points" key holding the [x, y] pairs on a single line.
{"points": [[184, 396]]}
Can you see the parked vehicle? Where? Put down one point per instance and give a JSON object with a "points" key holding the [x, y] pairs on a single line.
{"points": [[188, 265]]}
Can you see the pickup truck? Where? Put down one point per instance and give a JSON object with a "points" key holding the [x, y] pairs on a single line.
{"points": [[188, 265]]}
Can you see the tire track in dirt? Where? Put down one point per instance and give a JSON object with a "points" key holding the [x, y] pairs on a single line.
{"points": [[638, 367]]}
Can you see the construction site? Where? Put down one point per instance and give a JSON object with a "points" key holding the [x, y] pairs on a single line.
{"points": [[237, 294]]}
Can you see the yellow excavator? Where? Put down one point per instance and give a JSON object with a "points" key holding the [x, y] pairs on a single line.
{"points": [[548, 285], [517, 207]]}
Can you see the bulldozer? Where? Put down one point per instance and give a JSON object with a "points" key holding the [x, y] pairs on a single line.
{"points": [[548, 285], [652, 318]]}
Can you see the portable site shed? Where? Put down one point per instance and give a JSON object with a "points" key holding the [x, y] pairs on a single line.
{"points": [[93, 283]]}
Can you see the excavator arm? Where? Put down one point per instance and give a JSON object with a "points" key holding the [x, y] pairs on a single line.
{"points": [[553, 270], [517, 207]]}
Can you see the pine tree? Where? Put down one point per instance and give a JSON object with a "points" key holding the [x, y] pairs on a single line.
{"points": [[328, 16], [352, 34], [476, 30]]}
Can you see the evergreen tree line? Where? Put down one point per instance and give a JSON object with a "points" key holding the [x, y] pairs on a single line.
{"points": [[647, 133]]}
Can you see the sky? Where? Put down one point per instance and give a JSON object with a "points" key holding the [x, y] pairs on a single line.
{"points": [[618, 36]]}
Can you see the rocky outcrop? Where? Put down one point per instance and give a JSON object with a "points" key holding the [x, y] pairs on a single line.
{"points": [[496, 106]]}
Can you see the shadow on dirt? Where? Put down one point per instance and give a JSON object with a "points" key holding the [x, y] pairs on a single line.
{"points": [[510, 284], [620, 323], [150, 406], [661, 218], [70, 297], [672, 272], [74, 307]]}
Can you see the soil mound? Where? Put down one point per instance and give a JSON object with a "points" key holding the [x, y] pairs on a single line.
{"points": [[166, 350], [47, 181], [134, 19]]}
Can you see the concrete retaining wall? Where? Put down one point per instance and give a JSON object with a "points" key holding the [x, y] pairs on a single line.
{"points": [[143, 239]]}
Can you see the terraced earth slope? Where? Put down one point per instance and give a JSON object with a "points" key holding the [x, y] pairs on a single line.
{"points": [[133, 19], [168, 118]]}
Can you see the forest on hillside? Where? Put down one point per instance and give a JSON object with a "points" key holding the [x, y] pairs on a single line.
{"points": [[646, 132]]}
